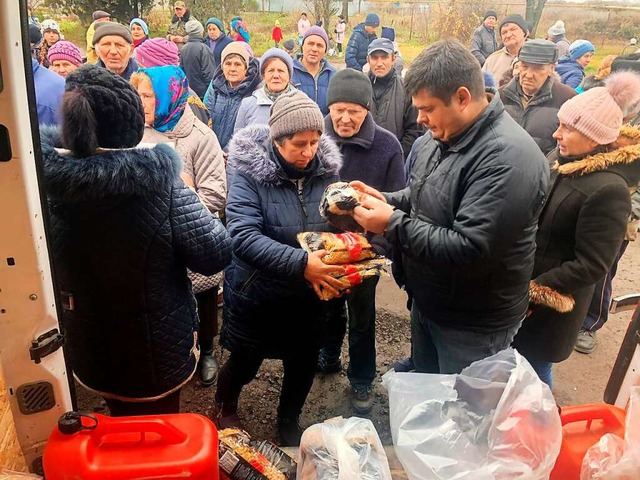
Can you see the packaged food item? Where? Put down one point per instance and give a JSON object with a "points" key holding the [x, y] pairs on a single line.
{"points": [[337, 204], [342, 448], [342, 248], [244, 459], [355, 273]]}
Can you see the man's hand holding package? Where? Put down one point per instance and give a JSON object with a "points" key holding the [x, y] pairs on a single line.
{"points": [[319, 275], [374, 212]]}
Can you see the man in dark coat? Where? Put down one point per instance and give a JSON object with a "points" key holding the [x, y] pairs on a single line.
{"points": [[391, 107], [464, 227], [373, 155], [485, 39], [363, 34], [196, 59], [534, 96]]}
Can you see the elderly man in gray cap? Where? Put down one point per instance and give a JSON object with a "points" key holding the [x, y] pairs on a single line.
{"points": [[114, 45], [534, 96]]}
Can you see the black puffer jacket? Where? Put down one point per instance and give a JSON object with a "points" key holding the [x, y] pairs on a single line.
{"points": [[466, 232], [581, 228], [540, 117], [124, 230]]}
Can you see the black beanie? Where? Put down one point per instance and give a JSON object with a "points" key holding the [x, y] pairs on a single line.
{"points": [[517, 19], [490, 13], [349, 85], [116, 106]]}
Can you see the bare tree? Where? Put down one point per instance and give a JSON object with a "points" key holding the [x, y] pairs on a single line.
{"points": [[322, 10], [534, 12]]}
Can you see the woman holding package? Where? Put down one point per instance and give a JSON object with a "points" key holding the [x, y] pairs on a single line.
{"points": [[276, 68], [125, 229], [238, 77], [584, 219], [164, 92], [277, 175]]}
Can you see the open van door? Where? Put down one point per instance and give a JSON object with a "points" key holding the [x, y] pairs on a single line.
{"points": [[36, 380]]}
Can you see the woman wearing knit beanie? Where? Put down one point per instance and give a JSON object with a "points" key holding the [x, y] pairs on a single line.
{"points": [[237, 78], [571, 67], [216, 39], [165, 92], [276, 68], [50, 35], [125, 229], [64, 57], [139, 31], [277, 176], [584, 219]]}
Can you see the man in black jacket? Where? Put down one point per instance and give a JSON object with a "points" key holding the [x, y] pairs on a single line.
{"points": [[485, 39], [391, 107], [464, 228]]}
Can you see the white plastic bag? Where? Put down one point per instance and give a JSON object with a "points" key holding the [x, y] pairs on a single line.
{"points": [[613, 458], [495, 420], [342, 449]]}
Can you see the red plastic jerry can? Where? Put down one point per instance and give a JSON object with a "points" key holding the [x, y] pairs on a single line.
{"points": [[92, 447], [582, 427]]}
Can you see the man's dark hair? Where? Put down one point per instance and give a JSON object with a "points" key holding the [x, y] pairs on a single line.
{"points": [[442, 68]]}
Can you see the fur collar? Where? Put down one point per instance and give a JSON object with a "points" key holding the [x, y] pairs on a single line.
{"points": [[542, 295], [111, 173], [626, 150], [250, 153]]}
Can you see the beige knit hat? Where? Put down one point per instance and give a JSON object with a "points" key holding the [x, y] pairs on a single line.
{"points": [[294, 112], [598, 112], [235, 48]]}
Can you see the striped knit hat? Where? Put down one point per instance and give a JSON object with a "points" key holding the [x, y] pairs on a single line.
{"points": [[64, 50]]}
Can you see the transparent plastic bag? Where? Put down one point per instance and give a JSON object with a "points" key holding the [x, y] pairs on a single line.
{"points": [[496, 420], [342, 449], [613, 458]]}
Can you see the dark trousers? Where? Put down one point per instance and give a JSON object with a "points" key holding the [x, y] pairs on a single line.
{"points": [[168, 404], [339, 47], [242, 367], [208, 314], [360, 315], [598, 313]]}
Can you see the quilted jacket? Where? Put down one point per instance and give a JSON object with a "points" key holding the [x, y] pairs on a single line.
{"points": [[570, 71], [356, 53], [267, 299], [223, 102], [315, 87], [124, 229]]}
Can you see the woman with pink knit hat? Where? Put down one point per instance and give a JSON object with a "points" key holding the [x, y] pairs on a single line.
{"points": [[64, 57], [585, 216]]}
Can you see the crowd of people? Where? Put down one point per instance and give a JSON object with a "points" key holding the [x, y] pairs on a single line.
{"points": [[497, 178]]}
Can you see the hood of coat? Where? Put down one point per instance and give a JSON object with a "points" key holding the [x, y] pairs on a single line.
{"points": [[108, 173], [625, 152], [250, 153]]}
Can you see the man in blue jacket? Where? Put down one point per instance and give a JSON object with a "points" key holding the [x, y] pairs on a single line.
{"points": [[463, 230], [373, 155], [363, 34], [311, 71]]}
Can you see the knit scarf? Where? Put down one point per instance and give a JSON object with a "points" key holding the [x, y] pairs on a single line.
{"points": [[171, 89], [273, 95]]}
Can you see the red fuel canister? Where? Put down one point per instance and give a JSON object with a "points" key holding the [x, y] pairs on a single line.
{"points": [[582, 427], [98, 447]]}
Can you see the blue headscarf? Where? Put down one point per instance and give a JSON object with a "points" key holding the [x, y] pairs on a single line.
{"points": [[239, 27], [171, 89], [139, 21]]}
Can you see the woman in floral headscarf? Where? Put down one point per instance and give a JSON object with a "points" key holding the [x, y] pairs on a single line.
{"points": [[164, 92]]}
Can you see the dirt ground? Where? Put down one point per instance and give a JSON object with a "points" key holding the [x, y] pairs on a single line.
{"points": [[580, 379]]}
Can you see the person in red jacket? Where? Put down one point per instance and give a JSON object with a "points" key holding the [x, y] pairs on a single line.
{"points": [[276, 34]]}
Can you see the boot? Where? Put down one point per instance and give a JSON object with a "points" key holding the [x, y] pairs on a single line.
{"points": [[290, 431], [208, 369]]}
